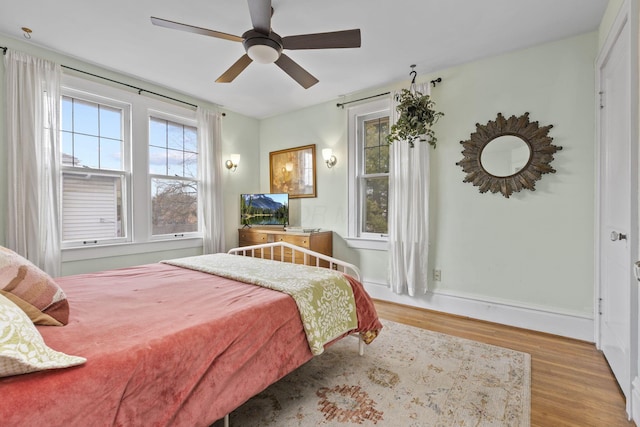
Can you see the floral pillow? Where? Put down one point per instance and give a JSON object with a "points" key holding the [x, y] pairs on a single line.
{"points": [[33, 290], [22, 349]]}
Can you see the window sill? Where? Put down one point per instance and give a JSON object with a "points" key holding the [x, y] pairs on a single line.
{"points": [[124, 249], [373, 244]]}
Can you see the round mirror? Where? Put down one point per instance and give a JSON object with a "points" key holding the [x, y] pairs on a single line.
{"points": [[505, 155]]}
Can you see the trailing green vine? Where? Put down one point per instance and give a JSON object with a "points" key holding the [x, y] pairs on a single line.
{"points": [[417, 115]]}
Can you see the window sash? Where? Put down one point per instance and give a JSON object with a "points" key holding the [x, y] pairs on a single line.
{"points": [[94, 206], [367, 226], [87, 201], [183, 218], [173, 140]]}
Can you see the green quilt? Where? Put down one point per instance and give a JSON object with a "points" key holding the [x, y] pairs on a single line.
{"points": [[324, 297]]}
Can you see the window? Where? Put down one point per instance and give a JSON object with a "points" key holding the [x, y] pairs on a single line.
{"points": [[94, 171], [129, 172], [369, 172], [173, 169]]}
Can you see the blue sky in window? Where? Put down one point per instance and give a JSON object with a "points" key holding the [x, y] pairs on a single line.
{"points": [[92, 135]]}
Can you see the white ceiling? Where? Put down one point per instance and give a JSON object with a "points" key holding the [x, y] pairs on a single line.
{"points": [[434, 34]]}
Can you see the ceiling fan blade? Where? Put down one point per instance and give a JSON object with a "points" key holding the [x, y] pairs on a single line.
{"points": [[191, 29], [261, 11], [332, 40], [235, 69], [299, 74]]}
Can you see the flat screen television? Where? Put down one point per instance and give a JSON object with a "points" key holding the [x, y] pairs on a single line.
{"points": [[264, 209]]}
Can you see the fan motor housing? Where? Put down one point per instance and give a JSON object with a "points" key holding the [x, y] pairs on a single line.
{"points": [[253, 38]]}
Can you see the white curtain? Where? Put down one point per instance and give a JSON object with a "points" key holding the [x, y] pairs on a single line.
{"points": [[33, 97], [209, 167], [409, 213]]}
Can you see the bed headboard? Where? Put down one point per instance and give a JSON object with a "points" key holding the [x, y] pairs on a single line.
{"points": [[297, 253]]}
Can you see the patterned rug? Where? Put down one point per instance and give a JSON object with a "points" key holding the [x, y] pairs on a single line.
{"points": [[407, 377]]}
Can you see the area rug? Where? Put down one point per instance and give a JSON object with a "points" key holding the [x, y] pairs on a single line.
{"points": [[407, 377]]}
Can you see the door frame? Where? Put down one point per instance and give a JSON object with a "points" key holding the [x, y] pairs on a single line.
{"points": [[628, 15]]}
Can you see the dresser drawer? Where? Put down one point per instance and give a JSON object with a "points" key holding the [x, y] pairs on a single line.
{"points": [[302, 241], [248, 238]]}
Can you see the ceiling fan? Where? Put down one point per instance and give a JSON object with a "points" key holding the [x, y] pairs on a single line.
{"points": [[265, 46]]}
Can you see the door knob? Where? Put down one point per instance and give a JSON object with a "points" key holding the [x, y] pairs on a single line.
{"points": [[617, 236]]}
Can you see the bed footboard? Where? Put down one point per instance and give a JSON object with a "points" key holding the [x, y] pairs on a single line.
{"points": [[276, 251]]}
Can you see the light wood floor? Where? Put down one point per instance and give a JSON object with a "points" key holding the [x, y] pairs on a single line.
{"points": [[571, 383]]}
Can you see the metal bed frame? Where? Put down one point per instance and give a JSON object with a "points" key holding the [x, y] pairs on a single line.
{"points": [[304, 256]]}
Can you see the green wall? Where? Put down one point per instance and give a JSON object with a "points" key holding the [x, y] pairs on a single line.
{"points": [[534, 250]]}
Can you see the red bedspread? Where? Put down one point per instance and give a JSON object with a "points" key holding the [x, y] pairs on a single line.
{"points": [[164, 346]]}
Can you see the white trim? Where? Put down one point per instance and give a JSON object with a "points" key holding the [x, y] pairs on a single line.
{"points": [[126, 249], [360, 243], [571, 325], [635, 399]]}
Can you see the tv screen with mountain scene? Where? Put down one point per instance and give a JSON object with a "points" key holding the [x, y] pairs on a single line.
{"points": [[264, 209]]}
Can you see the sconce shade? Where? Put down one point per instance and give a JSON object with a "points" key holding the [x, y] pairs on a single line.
{"points": [[232, 163], [329, 158]]}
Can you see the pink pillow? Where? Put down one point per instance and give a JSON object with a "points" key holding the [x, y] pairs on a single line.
{"points": [[33, 290]]}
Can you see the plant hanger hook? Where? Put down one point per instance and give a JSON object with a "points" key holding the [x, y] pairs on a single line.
{"points": [[413, 73]]}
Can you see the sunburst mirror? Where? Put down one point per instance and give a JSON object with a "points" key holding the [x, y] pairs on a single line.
{"points": [[507, 155]]}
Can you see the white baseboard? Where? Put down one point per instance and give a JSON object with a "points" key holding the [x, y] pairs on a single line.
{"points": [[563, 324]]}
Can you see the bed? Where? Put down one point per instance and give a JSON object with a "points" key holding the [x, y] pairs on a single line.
{"points": [[169, 345]]}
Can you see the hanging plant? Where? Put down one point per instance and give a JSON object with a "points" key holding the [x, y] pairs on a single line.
{"points": [[417, 116]]}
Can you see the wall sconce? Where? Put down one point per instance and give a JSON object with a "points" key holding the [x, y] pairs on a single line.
{"points": [[233, 161], [329, 158]]}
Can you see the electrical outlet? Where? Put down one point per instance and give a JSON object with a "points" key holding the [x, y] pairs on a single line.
{"points": [[437, 275]]}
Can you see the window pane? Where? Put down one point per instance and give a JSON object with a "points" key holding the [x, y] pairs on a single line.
{"points": [[67, 114], [180, 157], [110, 122], [190, 165], [86, 150], [376, 148], [157, 161], [376, 191], [175, 136], [175, 163], [67, 149], [85, 117], [91, 207], [376, 160], [92, 135], [190, 139], [157, 132], [174, 205], [110, 154]]}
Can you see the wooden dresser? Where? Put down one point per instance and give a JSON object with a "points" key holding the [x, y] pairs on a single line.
{"points": [[319, 241]]}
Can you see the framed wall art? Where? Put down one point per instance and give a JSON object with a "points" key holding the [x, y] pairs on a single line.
{"points": [[293, 171]]}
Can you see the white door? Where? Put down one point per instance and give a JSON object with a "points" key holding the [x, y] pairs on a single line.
{"points": [[616, 288]]}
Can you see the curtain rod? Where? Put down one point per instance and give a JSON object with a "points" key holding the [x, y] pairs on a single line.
{"points": [[342, 104], [139, 89]]}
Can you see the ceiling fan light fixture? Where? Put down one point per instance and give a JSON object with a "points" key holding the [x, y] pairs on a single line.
{"points": [[262, 49], [263, 54]]}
